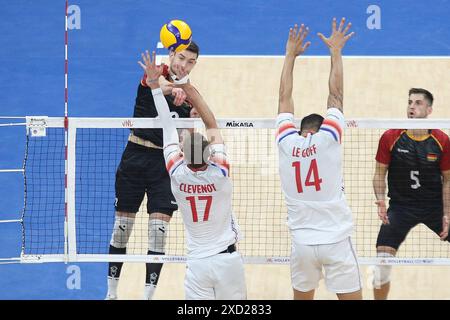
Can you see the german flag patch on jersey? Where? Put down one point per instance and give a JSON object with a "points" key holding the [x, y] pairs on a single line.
{"points": [[432, 157]]}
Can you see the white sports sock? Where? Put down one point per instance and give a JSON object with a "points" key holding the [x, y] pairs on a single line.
{"points": [[149, 290], [112, 288]]}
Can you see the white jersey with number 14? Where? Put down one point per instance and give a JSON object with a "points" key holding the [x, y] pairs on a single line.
{"points": [[311, 178]]}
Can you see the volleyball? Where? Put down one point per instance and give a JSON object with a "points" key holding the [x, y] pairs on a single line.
{"points": [[176, 35]]}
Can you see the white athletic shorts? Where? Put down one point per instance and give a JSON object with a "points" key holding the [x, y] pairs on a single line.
{"points": [[338, 260], [219, 277]]}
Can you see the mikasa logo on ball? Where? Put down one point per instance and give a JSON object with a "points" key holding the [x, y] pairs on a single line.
{"points": [[239, 124]]}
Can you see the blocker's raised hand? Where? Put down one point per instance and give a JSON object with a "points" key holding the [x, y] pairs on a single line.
{"points": [[338, 37], [294, 45]]}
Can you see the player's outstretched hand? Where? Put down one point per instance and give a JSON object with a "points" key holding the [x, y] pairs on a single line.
{"points": [[445, 224], [152, 71], [338, 37], [294, 45], [382, 212]]}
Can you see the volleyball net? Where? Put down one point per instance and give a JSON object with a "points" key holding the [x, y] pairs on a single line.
{"points": [[70, 217]]}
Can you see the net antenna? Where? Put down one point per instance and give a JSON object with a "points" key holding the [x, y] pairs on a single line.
{"points": [[66, 121], [68, 187], [160, 53]]}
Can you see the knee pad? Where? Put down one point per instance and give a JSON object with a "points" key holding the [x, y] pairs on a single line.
{"points": [[121, 232], [382, 273], [157, 235]]}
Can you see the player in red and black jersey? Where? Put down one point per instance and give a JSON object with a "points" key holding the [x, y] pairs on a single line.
{"points": [[417, 163], [142, 171]]}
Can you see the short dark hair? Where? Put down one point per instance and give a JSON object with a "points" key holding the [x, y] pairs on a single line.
{"points": [[195, 149], [311, 122], [427, 94], [193, 47]]}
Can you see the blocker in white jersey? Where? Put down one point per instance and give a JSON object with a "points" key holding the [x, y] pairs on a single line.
{"points": [[201, 185], [310, 160], [204, 200], [311, 179], [214, 267]]}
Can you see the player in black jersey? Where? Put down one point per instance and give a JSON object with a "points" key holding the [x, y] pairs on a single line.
{"points": [[142, 171], [417, 163]]}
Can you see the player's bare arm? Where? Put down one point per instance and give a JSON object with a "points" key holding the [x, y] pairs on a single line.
{"points": [[168, 87], [212, 132], [153, 72], [379, 188], [180, 96], [295, 46], [446, 201], [336, 42]]}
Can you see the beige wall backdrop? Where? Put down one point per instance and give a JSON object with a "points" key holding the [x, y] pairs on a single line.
{"points": [[247, 87], [373, 87]]}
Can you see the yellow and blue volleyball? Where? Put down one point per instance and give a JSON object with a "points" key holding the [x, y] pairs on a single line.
{"points": [[176, 35]]}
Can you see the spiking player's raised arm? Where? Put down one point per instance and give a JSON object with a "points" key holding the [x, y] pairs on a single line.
{"points": [[212, 132], [153, 72]]}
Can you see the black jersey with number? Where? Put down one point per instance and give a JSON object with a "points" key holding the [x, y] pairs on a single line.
{"points": [[414, 167], [145, 108]]}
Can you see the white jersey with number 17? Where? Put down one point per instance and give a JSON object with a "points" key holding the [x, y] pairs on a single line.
{"points": [[204, 198], [311, 178]]}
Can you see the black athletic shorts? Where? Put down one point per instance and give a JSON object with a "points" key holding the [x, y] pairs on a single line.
{"points": [[143, 170], [403, 219]]}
